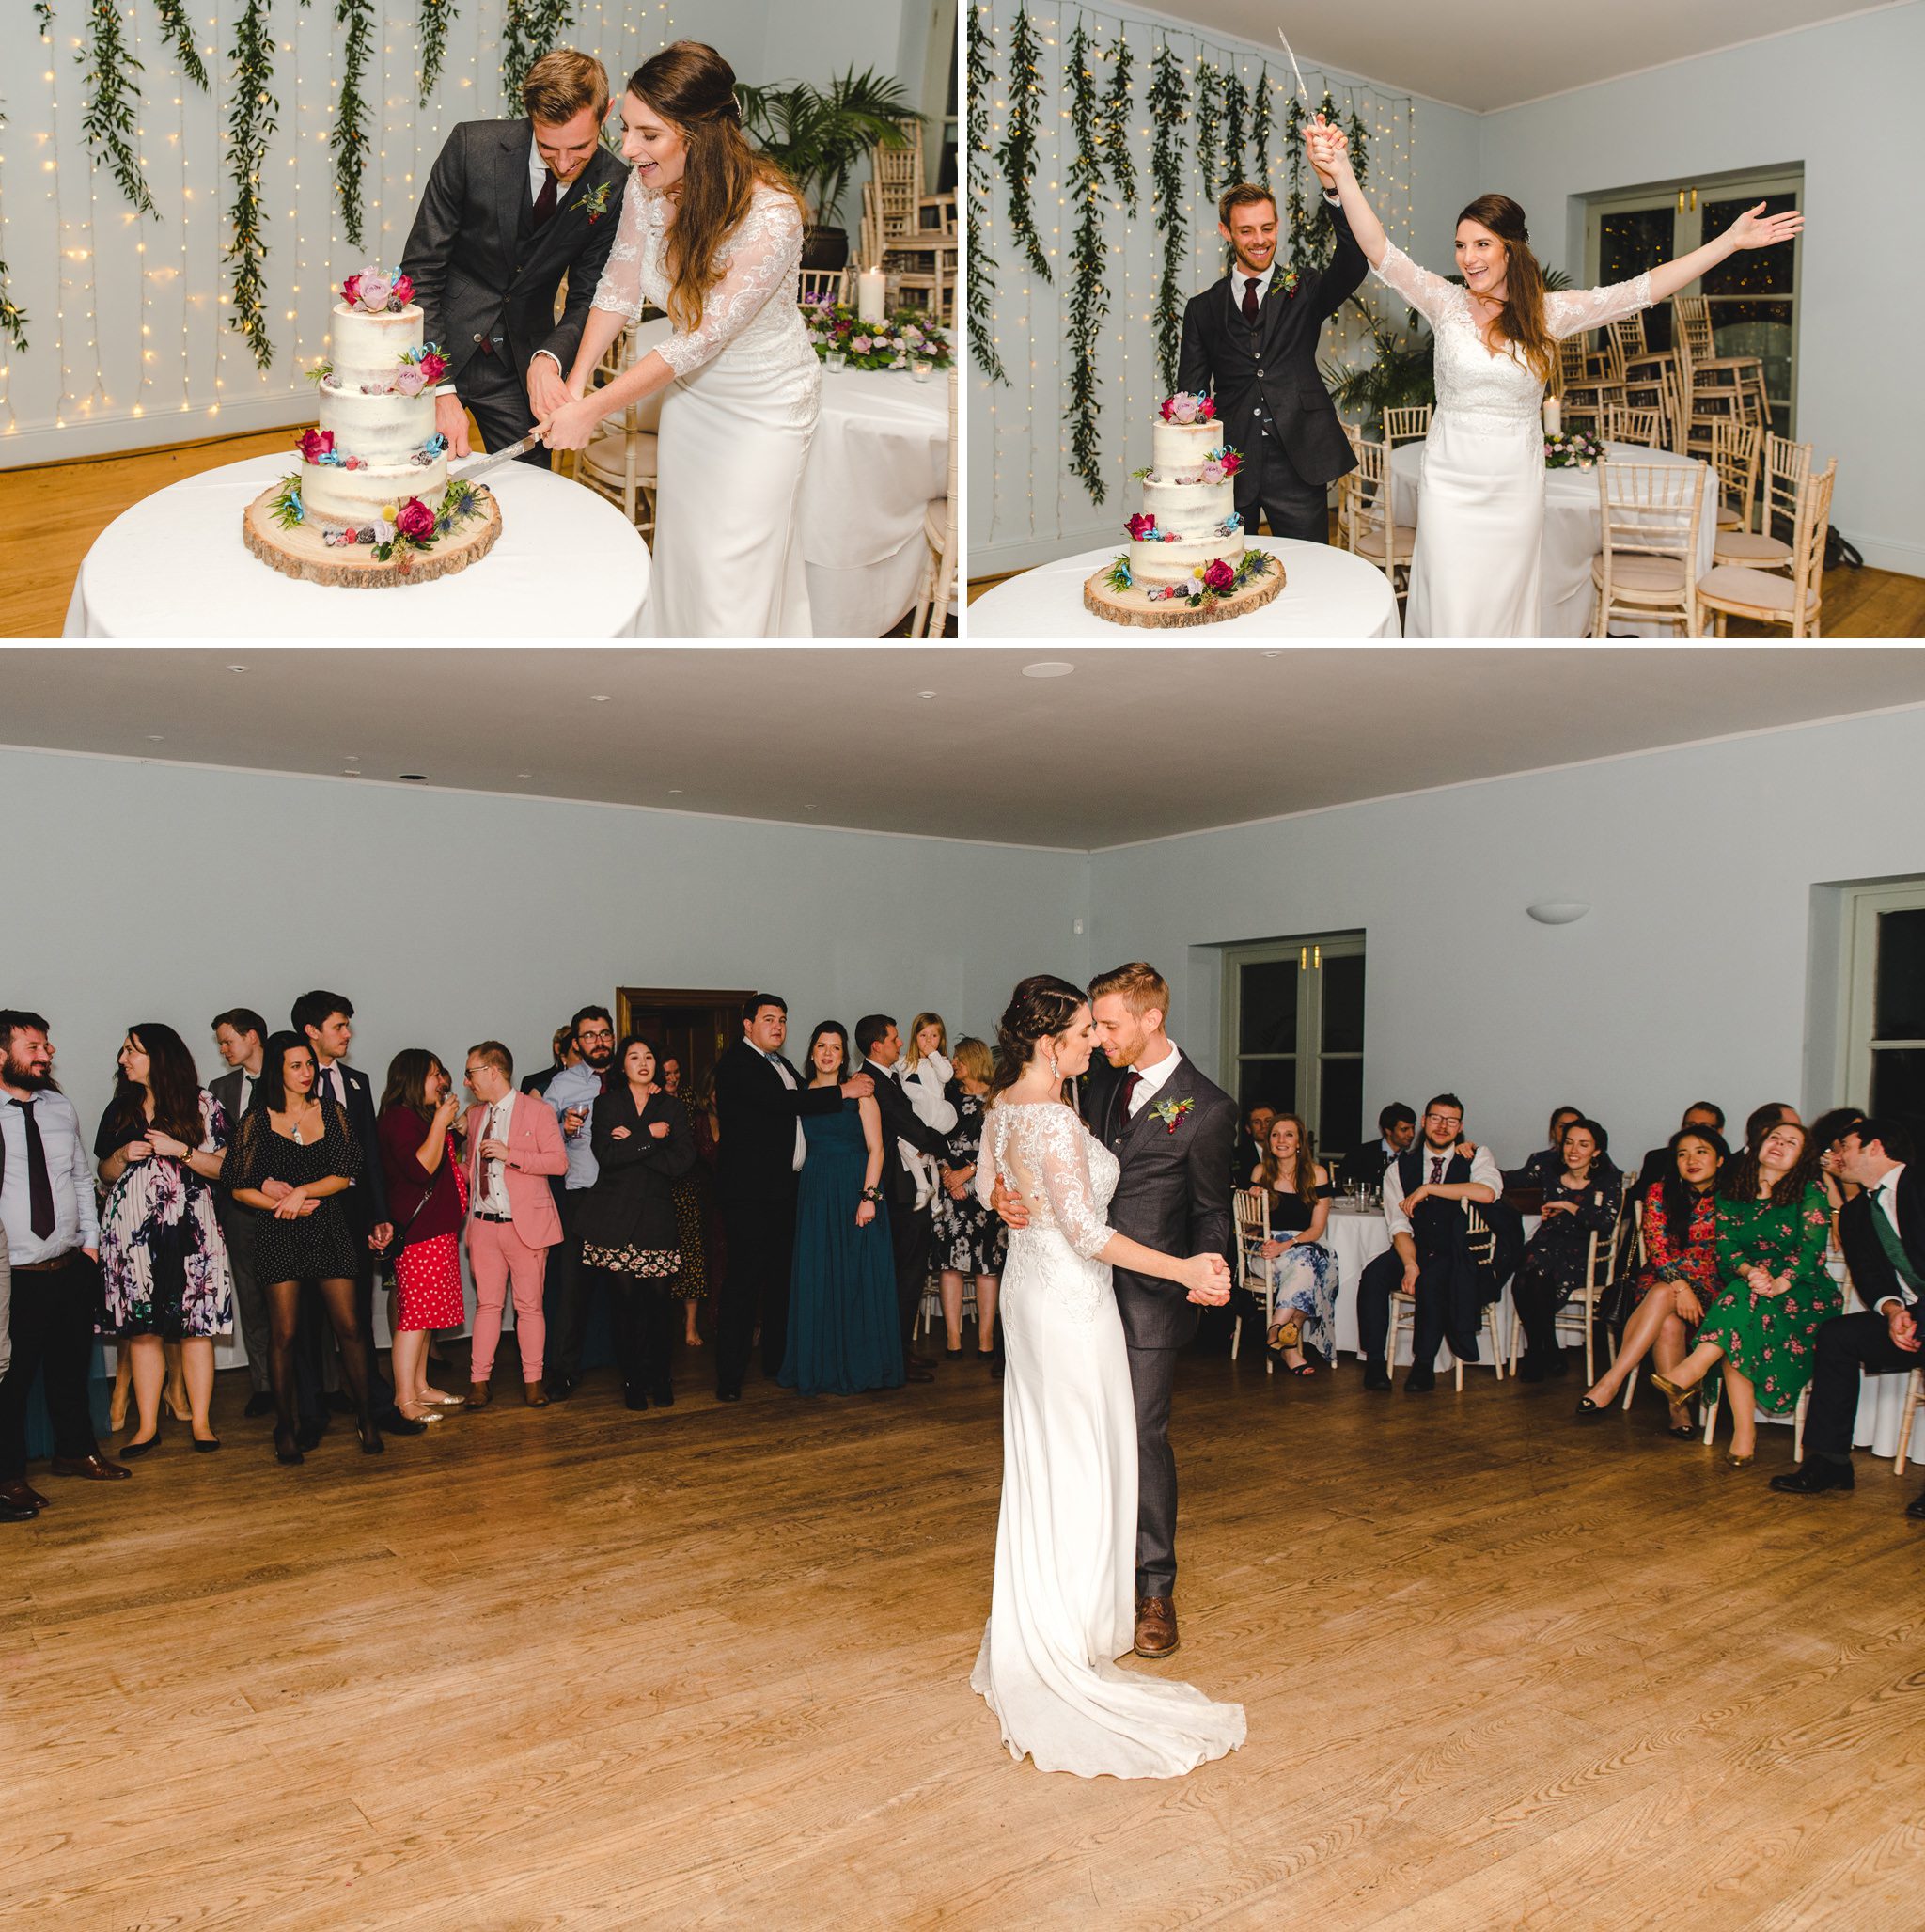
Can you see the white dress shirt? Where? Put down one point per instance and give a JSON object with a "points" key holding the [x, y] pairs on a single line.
{"points": [[1484, 1172], [495, 1199], [788, 1080], [70, 1173], [1149, 1079]]}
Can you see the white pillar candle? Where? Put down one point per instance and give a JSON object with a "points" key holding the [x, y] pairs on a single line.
{"points": [[871, 295], [1554, 417]]}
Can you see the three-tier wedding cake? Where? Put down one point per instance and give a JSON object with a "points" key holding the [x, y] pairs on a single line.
{"points": [[1187, 563], [372, 503]]}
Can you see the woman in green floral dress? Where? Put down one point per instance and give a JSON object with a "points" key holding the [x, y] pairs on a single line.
{"points": [[1773, 1224]]}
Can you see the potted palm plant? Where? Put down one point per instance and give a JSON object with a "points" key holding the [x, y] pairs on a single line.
{"points": [[820, 136]]}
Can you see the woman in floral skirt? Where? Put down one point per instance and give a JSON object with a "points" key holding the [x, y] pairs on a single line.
{"points": [[968, 1237]]}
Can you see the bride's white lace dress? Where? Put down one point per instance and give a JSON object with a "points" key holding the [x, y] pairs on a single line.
{"points": [[1480, 504], [736, 424], [1063, 1605]]}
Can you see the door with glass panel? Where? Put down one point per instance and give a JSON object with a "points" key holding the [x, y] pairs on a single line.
{"points": [[1294, 1032], [1884, 1068]]}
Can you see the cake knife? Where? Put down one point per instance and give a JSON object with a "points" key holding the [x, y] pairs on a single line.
{"points": [[469, 471]]}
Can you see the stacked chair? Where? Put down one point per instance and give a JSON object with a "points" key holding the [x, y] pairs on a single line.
{"points": [[908, 232], [932, 614], [1735, 446], [1585, 390]]}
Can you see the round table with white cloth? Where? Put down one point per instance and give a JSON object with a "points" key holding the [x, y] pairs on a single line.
{"points": [[1326, 594], [1573, 532], [567, 564], [880, 456]]}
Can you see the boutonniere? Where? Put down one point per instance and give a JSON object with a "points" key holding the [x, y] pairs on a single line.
{"points": [[594, 202], [1286, 280], [1170, 1111]]}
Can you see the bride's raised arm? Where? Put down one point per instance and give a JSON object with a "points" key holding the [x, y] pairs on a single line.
{"points": [[1428, 293]]}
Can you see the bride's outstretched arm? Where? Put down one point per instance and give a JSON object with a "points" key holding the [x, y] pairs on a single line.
{"points": [[1754, 229]]}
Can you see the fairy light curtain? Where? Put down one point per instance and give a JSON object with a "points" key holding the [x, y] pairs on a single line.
{"points": [[120, 329], [1106, 277]]}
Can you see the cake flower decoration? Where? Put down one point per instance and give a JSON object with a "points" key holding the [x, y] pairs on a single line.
{"points": [[1185, 408], [1143, 529], [316, 446], [414, 521]]}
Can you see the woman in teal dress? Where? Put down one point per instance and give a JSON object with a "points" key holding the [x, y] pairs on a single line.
{"points": [[1772, 1223], [844, 1334]]}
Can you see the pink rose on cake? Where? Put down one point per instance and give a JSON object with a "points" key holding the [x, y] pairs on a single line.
{"points": [[1229, 463], [351, 291], [375, 290], [403, 290], [415, 521], [1213, 472], [1142, 527], [1185, 408], [315, 445], [433, 364], [1219, 577], [410, 380]]}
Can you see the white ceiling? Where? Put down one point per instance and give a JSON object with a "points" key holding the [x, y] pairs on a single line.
{"points": [[1139, 742], [1490, 54]]}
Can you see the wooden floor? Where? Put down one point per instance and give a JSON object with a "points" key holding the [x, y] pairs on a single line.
{"points": [[709, 1668]]}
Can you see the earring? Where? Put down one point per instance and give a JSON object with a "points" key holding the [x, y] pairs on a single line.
{"points": [[1053, 1073]]}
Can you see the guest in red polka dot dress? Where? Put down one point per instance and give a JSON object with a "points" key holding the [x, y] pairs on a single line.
{"points": [[428, 1195]]}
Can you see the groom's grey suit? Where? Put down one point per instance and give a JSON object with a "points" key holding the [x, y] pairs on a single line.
{"points": [[1173, 1195]]}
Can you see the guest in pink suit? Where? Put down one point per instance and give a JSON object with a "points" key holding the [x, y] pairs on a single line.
{"points": [[514, 1143]]}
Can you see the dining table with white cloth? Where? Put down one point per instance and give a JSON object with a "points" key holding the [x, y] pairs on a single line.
{"points": [[879, 458], [1327, 594], [568, 563], [1573, 532]]}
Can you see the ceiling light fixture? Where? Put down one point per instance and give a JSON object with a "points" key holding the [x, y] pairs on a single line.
{"points": [[236, 667], [674, 791], [924, 694], [414, 778], [350, 773], [524, 775], [598, 697], [156, 737], [1049, 668]]}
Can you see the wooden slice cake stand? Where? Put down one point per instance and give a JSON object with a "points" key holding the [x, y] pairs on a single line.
{"points": [[1134, 607], [300, 552]]}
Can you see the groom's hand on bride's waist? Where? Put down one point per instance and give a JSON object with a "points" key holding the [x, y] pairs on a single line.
{"points": [[1008, 1206]]}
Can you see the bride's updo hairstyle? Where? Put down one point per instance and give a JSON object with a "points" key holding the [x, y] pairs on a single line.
{"points": [[692, 88], [1523, 319], [1041, 1007]]}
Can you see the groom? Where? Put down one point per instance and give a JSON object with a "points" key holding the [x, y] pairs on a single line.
{"points": [[1250, 340], [510, 208]]}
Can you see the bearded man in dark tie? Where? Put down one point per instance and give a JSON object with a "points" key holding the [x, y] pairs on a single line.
{"points": [[1250, 341]]}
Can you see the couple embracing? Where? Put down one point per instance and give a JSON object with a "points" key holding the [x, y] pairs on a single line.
{"points": [[1119, 1221], [699, 226]]}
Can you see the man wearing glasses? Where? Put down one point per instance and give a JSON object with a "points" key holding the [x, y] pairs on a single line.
{"points": [[1429, 1258]]}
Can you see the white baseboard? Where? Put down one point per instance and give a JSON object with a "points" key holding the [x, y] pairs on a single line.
{"points": [[1890, 553], [104, 434]]}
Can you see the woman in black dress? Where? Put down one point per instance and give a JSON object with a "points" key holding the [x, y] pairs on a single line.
{"points": [[643, 1145], [289, 1166], [1582, 1201]]}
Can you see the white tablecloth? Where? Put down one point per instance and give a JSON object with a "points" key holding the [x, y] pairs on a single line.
{"points": [[1328, 593], [1572, 531], [880, 454], [567, 564]]}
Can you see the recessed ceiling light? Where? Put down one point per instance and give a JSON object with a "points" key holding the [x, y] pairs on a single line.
{"points": [[1273, 654], [156, 737], [924, 694], [524, 775], [1049, 668], [598, 697], [674, 791], [414, 778], [236, 667]]}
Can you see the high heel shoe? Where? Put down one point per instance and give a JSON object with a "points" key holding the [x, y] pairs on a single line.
{"points": [[177, 1406], [130, 1450], [1680, 1392], [1588, 1410], [1737, 1462], [371, 1443], [207, 1444], [287, 1447]]}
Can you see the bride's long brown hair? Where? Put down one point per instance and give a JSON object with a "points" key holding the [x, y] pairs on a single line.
{"points": [[1522, 319], [692, 88]]}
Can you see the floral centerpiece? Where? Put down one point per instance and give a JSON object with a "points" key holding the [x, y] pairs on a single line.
{"points": [[1573, 450], [905, 337], [378, 292]]}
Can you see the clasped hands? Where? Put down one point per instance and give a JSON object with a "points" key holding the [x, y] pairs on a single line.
{"points": [[1328, 147], [291, 1203]]}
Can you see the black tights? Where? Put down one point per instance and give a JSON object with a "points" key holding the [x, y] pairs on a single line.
{"points": [[284, 1310]]}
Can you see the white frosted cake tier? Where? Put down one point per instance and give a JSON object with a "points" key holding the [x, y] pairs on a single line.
{"points": [[1168, 563], [369, 348], [1191, 509], [1179, 447], [382, 429], [332, 495]]}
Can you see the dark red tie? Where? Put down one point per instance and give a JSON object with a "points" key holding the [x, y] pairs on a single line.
{"points": [[1250, 300], [602, 1078], [545, 201], [39, 1186], [1125, 1094]]}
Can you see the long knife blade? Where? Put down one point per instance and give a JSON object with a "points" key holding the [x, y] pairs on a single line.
{"points": [[1294, 68], [470, 471]]}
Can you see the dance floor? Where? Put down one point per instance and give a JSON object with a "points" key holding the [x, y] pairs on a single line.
{"points": [[709, 1668]]}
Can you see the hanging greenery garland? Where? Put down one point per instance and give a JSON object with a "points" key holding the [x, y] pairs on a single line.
{"points": [[1169, 95], [1295, 214], [1259, 127], [1016, 157], [349, 140], [433, 24], [251, 120], [1116, 125], [982, 265], [108, 67], [1088, 302], [45, 9], [178, 31], [1236, 105], [528, 30], [1208, 123]]}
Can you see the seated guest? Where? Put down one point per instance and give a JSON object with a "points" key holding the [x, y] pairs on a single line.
{"points": [[1581, 1199], [1658, 1164], [1680, 1277], [1773, 1232], [843, 1329], [514, 1148], [1429, 1258], [1397, 1127], [969, 1237], [629, 1236], [163, 1258], [565, 1054], [428, 1196], [1769, 1115], [1543, 1169], [1881, 1229], [1303, 1271], [1828, 1133], [1253, 1137]]}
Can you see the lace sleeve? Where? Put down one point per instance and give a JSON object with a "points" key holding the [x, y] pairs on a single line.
{"points": [[761, 257], [1429, 295], [1570, 311], [1066, 1181], [988, 1159], [620, 287]]}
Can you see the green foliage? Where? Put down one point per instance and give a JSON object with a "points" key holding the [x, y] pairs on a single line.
{"points": [[1168, 97], [285, 506], [44, 8], [13, 316], [1089, 301], [434, 22], [1236, 107], [1260, 128], [529, 29], [1115, 125], [178, 31], [820, 136], [108, 71], [1208, 123], [1016, 157], [251, 120], [349, 140], [1118, 575], [982, 265]]}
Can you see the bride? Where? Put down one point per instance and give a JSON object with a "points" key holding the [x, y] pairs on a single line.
{"points": [[711, 234], [1063, 1606], [1481, 501]]}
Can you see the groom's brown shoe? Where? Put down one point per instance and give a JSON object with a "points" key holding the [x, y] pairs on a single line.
{"points": [[1156, 1626]]}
